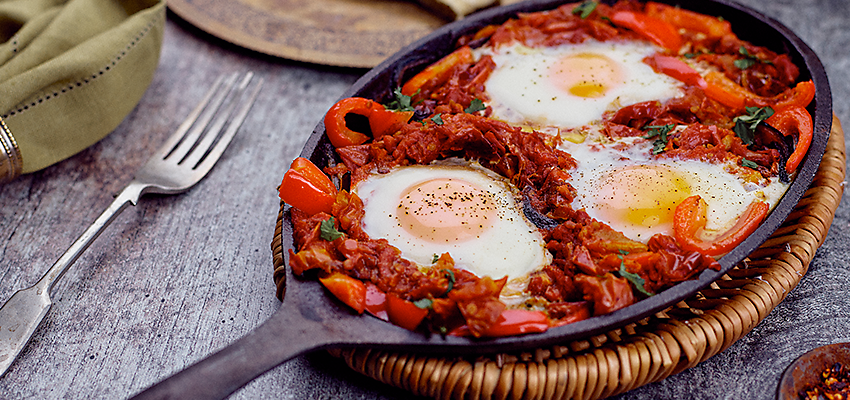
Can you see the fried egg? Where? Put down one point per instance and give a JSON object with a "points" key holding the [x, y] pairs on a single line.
{"points": [[454, 207], [572, 85], [621, 185]]}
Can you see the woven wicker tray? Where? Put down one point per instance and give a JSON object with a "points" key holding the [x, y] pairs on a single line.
{"points": [[643, 352]]}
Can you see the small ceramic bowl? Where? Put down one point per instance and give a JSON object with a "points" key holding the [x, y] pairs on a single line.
{"points": [[806, 370]]}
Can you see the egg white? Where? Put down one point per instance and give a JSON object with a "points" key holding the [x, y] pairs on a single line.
{"points": [[512, 246], [727, 195], [521, 89]]}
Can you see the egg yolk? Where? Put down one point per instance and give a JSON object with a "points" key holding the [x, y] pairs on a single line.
{"points": [[446, 210], [586, 74], [641, 196]]}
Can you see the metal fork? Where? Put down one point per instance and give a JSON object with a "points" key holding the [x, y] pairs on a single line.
{"points": [[179, 164]]}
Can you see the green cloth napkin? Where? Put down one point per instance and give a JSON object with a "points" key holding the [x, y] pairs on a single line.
{"points": [[70, 71]]}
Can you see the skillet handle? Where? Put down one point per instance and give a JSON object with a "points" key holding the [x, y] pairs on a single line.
{"points": [[285, 335]]}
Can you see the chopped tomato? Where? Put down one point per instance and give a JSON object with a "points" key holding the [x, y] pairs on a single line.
{"points": [[437, 73], [689, 221], [350, 291], [607, 292], [712, 27], [307, 188], [795, 121], [675, 68], [656, 30], [314, 257], [404, 313]]}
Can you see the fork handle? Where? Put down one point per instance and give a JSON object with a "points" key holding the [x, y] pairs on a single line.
{"points": [[130, 195]]}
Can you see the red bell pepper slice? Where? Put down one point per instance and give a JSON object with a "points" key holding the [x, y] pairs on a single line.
{"points": [[802, 94], [675, 68], [511, 322], [307, 188], [656, 30], [381, 120], [349, 290], [689, 220], [404, 313], [712, 27], [384, 122], [517, 322], [376, 301], [438, 72], [791, 121], [725, 91], [338, 132]]}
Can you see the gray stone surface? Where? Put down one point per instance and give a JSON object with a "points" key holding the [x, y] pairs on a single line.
{"points": [[178, 277]]}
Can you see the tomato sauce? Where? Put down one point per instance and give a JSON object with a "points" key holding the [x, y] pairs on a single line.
{"points": [[591, 261]]}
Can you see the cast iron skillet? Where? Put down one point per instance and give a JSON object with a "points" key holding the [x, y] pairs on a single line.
{"points": [[309, 319]]}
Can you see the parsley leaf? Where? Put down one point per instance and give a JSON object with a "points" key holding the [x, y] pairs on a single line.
{"points": [[474, 107], [745, 125], [744, 63], [584, 9], [659, 131], [327, 230], [424, 303], [400, 102], [634, 279], [748, 164], [749, 59], [438, 119], [435, 258]]}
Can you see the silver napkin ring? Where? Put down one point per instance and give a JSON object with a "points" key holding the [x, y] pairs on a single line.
{"points": [[10, 156]]}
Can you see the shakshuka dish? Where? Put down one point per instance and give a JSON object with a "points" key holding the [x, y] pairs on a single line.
{"points": [[562, 165]]}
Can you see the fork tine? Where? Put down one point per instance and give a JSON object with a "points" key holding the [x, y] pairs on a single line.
{"points": [[200, 117], [178, 135], [207, 163], [202, 150]]}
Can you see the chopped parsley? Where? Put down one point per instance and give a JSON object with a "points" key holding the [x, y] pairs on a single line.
{"points": [[745, 125], [748, 164], [327, 230], [634, 279], [749, 59], [435, 258], [584, 9], [438, 119], [660, 133], [424, 303], [474, 107], [400, 102]]}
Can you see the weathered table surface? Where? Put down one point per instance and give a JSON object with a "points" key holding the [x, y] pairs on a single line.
{"points": [[175, 278]]}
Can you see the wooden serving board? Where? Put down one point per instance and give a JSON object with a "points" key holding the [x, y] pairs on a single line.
{"points": [[347, 33]]}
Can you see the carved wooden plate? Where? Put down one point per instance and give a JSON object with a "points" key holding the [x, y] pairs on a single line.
{"points": [[348, 33], [345, 33]]}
